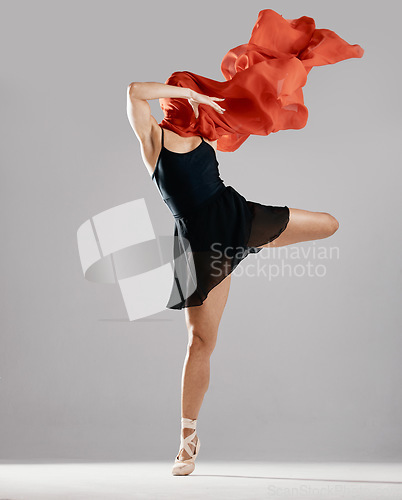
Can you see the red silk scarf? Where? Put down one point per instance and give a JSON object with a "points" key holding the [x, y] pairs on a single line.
{"points": [[264, 80]]}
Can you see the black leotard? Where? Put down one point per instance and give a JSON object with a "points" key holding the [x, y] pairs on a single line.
{"points": [[185, 180]]}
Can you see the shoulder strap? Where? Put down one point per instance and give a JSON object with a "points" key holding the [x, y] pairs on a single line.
{"points": [[162, 137]]}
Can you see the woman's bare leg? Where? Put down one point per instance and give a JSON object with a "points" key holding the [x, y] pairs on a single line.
{"points": [[203, 321], [304, 225], [202, 325]]}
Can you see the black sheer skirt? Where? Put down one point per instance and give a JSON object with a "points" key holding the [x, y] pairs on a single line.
{"points": [[212, 240]]}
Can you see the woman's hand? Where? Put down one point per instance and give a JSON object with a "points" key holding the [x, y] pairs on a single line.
{"points": [[196, 99]]}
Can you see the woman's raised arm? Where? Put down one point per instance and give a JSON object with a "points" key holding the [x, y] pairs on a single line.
{"points": [[156, 90], [139, 111]]}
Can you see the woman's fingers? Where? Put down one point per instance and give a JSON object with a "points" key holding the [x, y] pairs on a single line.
{"points": [[196, 109], [219, 109], [216, 106], [194, 105], [210, 100]]}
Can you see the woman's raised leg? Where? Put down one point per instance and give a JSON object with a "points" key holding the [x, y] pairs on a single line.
{"points": [[202, 325], [305, 225]]}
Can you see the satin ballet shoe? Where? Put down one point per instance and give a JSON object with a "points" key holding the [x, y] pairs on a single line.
{"points": [[185, 467]]}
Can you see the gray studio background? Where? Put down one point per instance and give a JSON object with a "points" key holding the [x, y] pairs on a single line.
{"points": [[305, 368]]}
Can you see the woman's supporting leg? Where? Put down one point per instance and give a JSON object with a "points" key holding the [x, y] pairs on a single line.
{"points": [[203, 321], [202, 325], [304, 225]]}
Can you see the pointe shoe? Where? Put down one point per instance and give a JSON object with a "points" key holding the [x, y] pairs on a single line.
{"points": [[185, 467]]}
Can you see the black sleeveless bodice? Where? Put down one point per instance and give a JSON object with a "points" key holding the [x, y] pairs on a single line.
{"points": [[185, 180]]}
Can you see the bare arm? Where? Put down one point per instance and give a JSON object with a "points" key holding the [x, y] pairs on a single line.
{"points": [[139, 111], [156, 90]]}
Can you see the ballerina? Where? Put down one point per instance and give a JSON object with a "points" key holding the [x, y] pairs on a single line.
{"points": [[262, 94]]}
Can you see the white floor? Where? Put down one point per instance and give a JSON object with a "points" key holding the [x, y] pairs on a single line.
{"points": [[218, 480]]}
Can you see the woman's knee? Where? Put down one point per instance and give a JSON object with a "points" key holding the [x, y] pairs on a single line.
{"points": [[200, 340]]}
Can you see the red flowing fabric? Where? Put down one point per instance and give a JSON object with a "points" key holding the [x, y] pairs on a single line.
{"points": [[264, 80]]}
